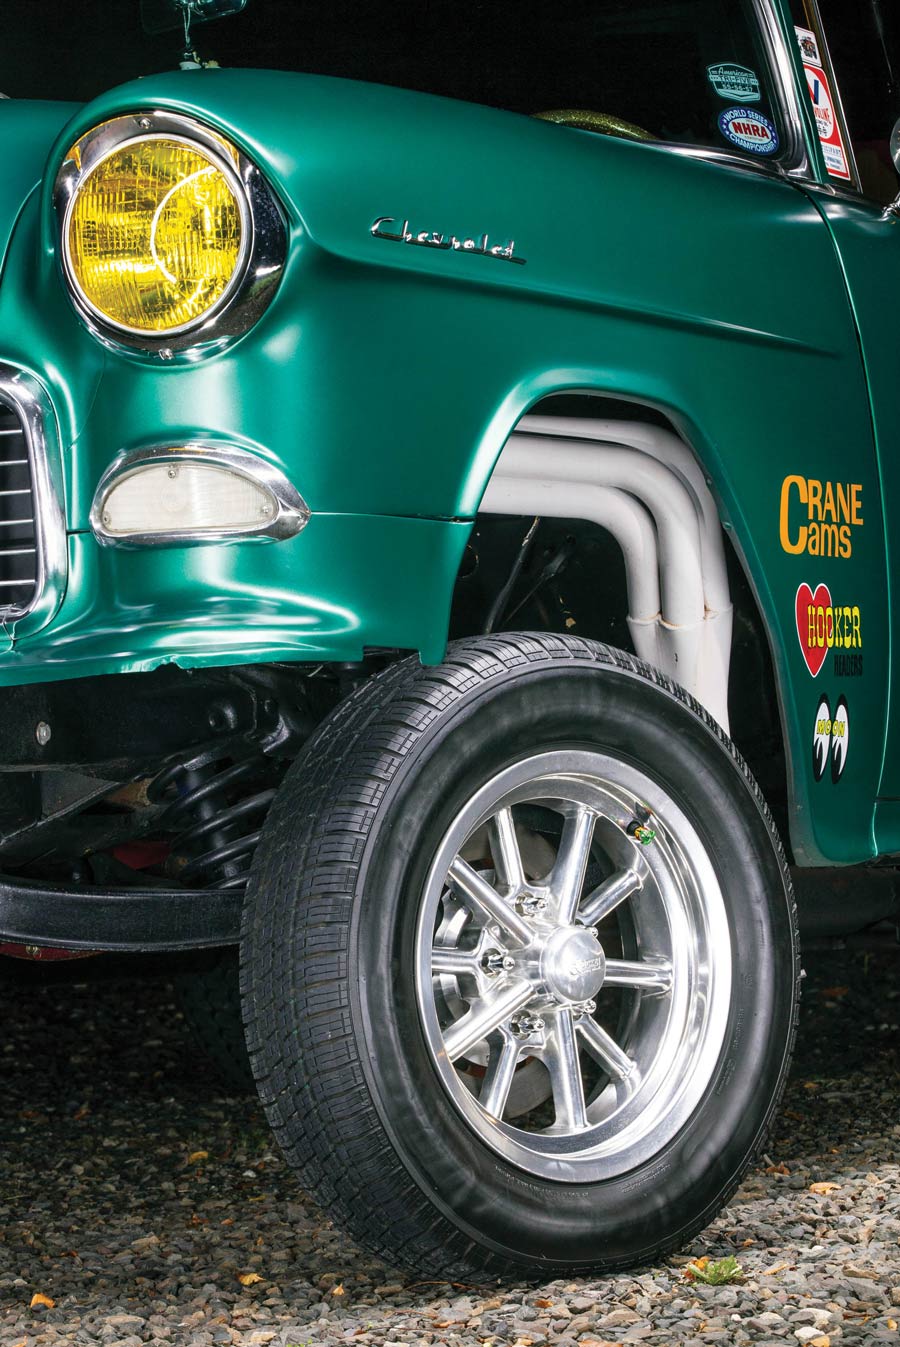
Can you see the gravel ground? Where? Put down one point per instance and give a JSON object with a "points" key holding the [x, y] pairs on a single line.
{"points": [[152, 1208]]}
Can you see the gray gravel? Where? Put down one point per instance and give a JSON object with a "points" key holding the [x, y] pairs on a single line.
{"points": [[136, 1195]]}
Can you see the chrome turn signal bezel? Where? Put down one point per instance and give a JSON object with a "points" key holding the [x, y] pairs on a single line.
{"points": [[289, 516], [263, 249]]}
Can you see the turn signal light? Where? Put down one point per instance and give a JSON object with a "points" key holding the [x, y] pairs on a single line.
{"points": [[185, 498], [197, 493]]}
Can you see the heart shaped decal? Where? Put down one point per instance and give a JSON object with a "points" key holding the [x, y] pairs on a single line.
{"points": [[814, 625]]}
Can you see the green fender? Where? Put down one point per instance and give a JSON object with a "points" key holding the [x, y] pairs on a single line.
{"points": [[384, 379]]}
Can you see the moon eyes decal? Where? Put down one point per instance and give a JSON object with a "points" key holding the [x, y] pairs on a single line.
{"points": [[831, 735], [840, 739], [821, 738]]}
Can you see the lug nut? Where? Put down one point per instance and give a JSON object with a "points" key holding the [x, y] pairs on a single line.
{"points": [[525, 1025], [494, 962], [584, 1008], [531, 905]]}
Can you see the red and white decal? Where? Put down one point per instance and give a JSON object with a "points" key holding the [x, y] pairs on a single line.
{"points": [[827, 122], [833, 149]]}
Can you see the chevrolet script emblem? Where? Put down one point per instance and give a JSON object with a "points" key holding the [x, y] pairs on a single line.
{"points": [[426, 238]]}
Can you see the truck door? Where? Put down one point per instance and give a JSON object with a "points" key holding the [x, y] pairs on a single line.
{"points": [[851, 64]]}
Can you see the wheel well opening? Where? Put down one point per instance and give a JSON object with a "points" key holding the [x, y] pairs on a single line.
{"points": [[568, 575]]}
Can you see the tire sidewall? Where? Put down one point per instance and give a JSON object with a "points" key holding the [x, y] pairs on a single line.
{"points": [[512, 1212]]}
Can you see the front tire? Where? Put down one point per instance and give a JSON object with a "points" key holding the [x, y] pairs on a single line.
{"points": [[519, 962]]}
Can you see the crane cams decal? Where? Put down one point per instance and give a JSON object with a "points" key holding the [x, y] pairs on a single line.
{"points": [[433, 238], [824, 626], [749, 130], [831, 738], [819, 517]]}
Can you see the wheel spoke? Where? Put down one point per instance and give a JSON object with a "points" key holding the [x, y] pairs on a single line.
{"points": [[567, 879], [654, 977], [608, 895], [561, 1060], [505, 850], [476, 888], [455, 961], [605, 1049], [498, 1078], [485, 1016]]}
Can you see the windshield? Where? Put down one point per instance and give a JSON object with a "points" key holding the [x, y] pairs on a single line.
{"points": [[687, 71]]}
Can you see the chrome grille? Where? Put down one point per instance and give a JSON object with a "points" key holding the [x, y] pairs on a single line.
{"points": [[19, 567]]}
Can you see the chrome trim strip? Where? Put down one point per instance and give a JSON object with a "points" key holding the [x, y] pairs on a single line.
{"points": [[263, 245], [26, 397], [782, 68], [291, 512]]}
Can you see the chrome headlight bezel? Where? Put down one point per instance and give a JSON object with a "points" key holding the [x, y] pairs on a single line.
{"points": [[290, 513], [263, 243]]}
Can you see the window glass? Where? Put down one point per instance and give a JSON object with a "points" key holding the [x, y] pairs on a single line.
{"points": [[687, 71], [863, 41]]}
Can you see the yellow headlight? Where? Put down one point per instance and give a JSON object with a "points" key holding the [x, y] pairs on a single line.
{"points": [[155, 235]]}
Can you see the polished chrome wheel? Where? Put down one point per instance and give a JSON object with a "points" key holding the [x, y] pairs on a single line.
{"points": [[573, 965], [520, 963]]}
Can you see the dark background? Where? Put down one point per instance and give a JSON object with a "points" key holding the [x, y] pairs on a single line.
{"points": [[527, 56], [74, 49]]}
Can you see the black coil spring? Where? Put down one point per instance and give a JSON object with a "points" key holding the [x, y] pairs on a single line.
{"points": [[216, 805]]}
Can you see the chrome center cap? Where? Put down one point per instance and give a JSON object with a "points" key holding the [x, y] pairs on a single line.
{"points": [[573, 964]]}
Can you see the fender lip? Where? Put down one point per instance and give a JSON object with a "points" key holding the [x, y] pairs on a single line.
{"points": [[291, 513]]}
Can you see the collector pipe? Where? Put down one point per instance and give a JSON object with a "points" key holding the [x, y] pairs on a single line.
{"points": [[667, 449], [578, 465], [650, 494]]}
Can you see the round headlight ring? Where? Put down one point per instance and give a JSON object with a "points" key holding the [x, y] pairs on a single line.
{"points": [[151, 257], [240, 204]]}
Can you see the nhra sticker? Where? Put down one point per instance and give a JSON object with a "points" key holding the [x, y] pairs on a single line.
{"points": [[734, 82], [823, 626], [831, 737], [749, 130]]}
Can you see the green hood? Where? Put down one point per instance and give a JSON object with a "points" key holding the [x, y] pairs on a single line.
{"points": [[28, 128]]}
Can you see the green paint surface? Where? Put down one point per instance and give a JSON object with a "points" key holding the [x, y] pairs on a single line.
{"points": [[384, 379]]}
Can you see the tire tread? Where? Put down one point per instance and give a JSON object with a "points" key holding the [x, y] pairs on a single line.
{"points": [[323, 1116]]}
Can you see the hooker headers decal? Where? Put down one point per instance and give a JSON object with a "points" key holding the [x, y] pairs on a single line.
{"points": [[823, 625]]}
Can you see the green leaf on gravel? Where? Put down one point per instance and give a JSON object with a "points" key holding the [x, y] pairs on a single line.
{"points": [[715, 1272]]}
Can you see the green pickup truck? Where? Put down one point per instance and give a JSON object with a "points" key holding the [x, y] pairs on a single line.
{"points": [[446, 551]]}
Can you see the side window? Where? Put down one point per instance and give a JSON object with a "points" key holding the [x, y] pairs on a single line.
{"points": [[851, 55], [691, 72]]}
